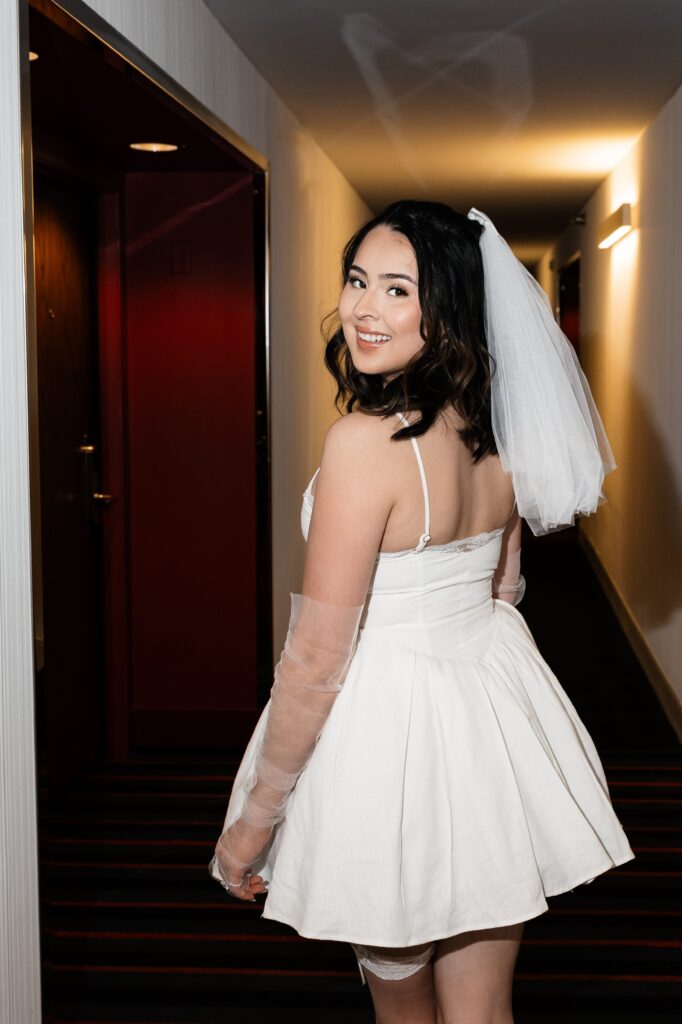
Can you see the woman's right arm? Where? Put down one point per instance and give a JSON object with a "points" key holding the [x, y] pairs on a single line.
{"points": [[353, 500]]}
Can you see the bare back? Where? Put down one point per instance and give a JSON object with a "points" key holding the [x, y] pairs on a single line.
{"points": [[465, 499]]}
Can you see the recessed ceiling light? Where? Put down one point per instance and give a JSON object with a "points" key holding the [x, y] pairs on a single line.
{"points": [[154, 147], [32, 55]]}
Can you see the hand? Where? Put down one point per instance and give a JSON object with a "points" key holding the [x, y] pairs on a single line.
{"points": [[236, 850]]}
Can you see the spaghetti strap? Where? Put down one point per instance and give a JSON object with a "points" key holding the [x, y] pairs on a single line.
{"points": [[426, 536]]}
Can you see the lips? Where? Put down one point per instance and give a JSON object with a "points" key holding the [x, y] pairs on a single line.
{"points": [[372, 337]]}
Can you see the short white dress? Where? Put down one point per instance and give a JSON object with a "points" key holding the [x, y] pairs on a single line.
{"points": [[454, 786]]}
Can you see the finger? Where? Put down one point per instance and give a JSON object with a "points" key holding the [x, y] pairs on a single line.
{"points": [[241, 893], [253, 888], [252, 884]]}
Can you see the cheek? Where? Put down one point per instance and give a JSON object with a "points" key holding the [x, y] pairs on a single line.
{"points": [[407, 320], [346, 304]]}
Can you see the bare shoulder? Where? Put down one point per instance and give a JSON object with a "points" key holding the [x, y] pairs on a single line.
{"points": [[352, 507], [357, 431], [359, 443]]}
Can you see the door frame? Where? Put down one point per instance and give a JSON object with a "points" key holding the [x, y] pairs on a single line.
{"points": [[20, 550]]}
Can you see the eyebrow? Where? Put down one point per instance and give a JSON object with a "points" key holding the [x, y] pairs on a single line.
{"points": [[405, 277]]}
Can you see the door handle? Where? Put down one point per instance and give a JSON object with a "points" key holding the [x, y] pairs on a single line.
{"points": [[92, 499]]}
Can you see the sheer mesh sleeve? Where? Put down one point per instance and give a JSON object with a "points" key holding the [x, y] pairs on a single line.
{"points": [[317, 652], [508, 583]]}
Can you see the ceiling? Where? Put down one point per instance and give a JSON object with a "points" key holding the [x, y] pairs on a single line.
{"points": [[517, 107], [70, 129]]}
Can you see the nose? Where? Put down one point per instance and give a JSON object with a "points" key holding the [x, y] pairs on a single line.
{"points": [[366, 304]]}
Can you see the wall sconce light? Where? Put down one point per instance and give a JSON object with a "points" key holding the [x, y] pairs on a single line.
{"points": [[615, 226], [154, 147]]}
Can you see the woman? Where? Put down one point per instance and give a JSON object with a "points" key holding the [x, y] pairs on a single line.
{"points": [[419, 781]]}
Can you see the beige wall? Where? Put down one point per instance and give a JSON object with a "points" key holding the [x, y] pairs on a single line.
{"points": [[313, 210], [631, 347]]}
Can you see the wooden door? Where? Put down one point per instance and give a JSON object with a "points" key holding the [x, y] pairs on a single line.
{"points": [[569, 302], [72, 691]]}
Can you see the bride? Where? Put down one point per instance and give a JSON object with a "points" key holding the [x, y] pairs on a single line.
{"points": [[419, 781]]}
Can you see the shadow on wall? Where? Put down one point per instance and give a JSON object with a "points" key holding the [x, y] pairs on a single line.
{"points": [[648, 544]]}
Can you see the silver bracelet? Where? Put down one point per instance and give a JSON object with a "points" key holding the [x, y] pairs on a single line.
{"points": [[225, 884]]}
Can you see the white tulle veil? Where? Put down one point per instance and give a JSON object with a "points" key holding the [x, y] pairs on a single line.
{"points": [[548, 432]]}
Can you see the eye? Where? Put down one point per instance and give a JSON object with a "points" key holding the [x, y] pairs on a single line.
{"points": [[353, 281]]}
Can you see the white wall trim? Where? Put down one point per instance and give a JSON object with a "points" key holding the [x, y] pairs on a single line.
{"points": [[19, 895]]}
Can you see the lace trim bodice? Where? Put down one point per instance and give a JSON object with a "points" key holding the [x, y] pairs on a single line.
{"points": [[460, 544]]}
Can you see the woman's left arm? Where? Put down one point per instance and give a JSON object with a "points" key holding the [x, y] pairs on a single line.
{"points": [[508, 583], [352, 503]]}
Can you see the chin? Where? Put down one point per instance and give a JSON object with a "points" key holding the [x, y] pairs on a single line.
{"points": [[371, 367]]}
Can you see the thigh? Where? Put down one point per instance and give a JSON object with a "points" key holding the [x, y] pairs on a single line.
{"points": [[400, 981], [473, 974]]}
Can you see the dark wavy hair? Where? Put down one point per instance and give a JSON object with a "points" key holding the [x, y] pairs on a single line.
{"points": [[454, 365]]}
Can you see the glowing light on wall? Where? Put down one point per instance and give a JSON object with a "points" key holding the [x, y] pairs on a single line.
{"points": [[615, 227], [153, 147], [32, 55]]}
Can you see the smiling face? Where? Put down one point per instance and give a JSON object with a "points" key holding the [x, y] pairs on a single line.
{"points": [[379, 304]]}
